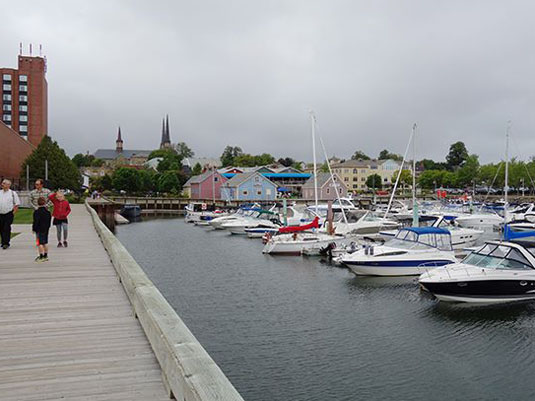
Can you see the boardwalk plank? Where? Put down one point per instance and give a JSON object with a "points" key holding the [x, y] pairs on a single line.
{"points": [[67, 329]]}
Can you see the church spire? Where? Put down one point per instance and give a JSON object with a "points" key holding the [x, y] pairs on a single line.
{"points": [[119, 141], [166, 139]]}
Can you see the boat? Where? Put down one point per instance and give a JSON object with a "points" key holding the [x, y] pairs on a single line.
{"points": [[461, 237], [260, 218], [413, 251], [499, 271], [130, 211]]}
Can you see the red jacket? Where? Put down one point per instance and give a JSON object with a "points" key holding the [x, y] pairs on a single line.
{"points": [[61, 208]]}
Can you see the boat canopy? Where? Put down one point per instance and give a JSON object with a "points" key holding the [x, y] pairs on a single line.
{"points": [[295, 229], [434, 237]]}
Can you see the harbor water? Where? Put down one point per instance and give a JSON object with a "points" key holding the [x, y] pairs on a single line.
{"points": [[298, 328]]}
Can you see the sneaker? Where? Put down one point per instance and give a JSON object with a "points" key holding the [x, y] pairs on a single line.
{"points": [[44, 259], [65, 244], [5, 246], [60, 244], [38, 259]]}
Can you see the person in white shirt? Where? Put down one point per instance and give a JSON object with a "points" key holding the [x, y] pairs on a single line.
{"points": [[9, 204]]}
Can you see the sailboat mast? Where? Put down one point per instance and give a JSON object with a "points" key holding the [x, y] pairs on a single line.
{"points": [[506, 187], [313, 121], [414, 204]]}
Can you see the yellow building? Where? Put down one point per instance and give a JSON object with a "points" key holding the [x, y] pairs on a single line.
{"points": [[354, 173]]}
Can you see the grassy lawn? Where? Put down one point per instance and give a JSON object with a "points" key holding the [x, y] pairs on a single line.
{"points": [[23, 216], [13, 235]]}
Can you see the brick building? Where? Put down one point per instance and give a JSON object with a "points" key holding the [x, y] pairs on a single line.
{"points": [[24, 112]]}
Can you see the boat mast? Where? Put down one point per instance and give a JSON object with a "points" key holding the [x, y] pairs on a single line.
{"points": [[414, 204], [335, 184], [313, 121], [506, 187]]}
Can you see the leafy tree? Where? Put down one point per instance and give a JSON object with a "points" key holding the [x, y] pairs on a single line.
{"points": [[148, 180], [169, 182], [103, 183], [244, 160], [197, 169], [457, 155], [62, 172], [81, 160], [230, 152], [406, 177], [286, 161], [161, 153], [263, 159], [428, 164], [184, 150], [324, 168], [358, 155], [126, 179], [374, 181], [385, 155], [171, 161], [469, 170]]}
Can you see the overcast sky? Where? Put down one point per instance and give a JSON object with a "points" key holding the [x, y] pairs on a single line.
{"points": [[247, 73]]}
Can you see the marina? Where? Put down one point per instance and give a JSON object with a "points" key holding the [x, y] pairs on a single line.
{"points": [[301, 328]]}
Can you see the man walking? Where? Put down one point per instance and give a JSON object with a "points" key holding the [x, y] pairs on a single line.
{"points": [[9, 204], [39, 192]]}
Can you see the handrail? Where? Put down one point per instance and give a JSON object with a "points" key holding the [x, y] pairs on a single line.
{"points": [[189, 373]]}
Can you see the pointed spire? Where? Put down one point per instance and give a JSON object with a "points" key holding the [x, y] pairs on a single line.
{"points": [[167, 135], [163, 134], [119, 141], [119, 134]]}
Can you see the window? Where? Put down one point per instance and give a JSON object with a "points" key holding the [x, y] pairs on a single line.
{"points": [[363, 179], [23, 98], [6, 77], [355, 171], [346, 179], [23, 128], [259, 193], [6, 87], [216, 179], [23, 78], [355, 186], [6, 117], [328, 191], [6, 97], [23, 88], [363, 171], [257, 179], [23, 118], [355, 179], [23, 108], [6, 107], [245, 192]]}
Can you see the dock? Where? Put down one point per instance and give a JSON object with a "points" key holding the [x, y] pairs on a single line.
{"points": [[80, 327]]}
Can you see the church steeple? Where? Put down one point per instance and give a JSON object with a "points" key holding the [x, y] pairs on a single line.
{"points": [[119, 141], [166, 137]]}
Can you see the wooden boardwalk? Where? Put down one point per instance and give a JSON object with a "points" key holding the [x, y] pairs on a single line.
{"points": [[67, 330]]}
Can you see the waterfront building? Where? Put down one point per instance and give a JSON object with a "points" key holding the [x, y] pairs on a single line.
{"points": [[354, 173], [205, 186], [326, 187], [249, 186], [122, 157], [24, 112]]}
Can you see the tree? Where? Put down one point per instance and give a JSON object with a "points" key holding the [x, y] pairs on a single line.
{"points": [[126, 179], [457, 155], [81, 160], [385, 155], [197, 169], [428, 164], [228, 155], [169, 182], [170, 161], [184, 150], [469, 171], [406, 177], [147, 180], [263, 159], [324, 168], [62, 172], [359, 155], [286, 161], [161, 153], [103, 183], [374, 182]]}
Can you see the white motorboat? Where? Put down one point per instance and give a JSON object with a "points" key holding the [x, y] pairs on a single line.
{"points": [[367, 223], [296, 243], [217, 222], [479, 220], [198, 213], [499, 271], [263, 218], [413, 251], [461, 238]]}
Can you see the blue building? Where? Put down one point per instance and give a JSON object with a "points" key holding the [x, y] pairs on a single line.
{"points": [[249, 186]]}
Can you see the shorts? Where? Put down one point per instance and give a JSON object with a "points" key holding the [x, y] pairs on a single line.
{"points": [[42, 238]]}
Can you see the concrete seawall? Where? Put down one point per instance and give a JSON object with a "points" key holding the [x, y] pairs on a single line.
{"points": [[190, 374]]}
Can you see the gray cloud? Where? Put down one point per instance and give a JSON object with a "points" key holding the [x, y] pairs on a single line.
{"points": [[247, 73]]}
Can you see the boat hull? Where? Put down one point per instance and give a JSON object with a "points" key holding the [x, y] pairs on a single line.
{"points": [[395, 268]]}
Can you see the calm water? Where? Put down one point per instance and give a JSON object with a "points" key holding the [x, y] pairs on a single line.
{"points": [[292, 328]]}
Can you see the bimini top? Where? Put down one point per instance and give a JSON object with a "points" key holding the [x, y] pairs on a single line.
{"points": [[427, 230]]}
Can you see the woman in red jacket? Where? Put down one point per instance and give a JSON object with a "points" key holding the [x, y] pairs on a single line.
{"points": [[62, 208]]}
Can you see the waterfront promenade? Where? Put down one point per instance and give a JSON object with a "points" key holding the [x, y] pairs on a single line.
{"points": [[67, 328]]}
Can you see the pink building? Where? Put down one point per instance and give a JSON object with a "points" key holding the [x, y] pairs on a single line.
{"points": [[205, 186]]}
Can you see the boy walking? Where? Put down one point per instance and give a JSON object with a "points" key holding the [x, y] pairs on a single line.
{"points": [[41, 225]]}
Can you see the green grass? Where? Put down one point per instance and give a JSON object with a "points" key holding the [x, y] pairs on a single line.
{"points": [[13, 235], [23, 216]]}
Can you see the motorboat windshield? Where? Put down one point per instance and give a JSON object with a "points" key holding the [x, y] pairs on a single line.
{"points": [[421, 238], [498, 256]]}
